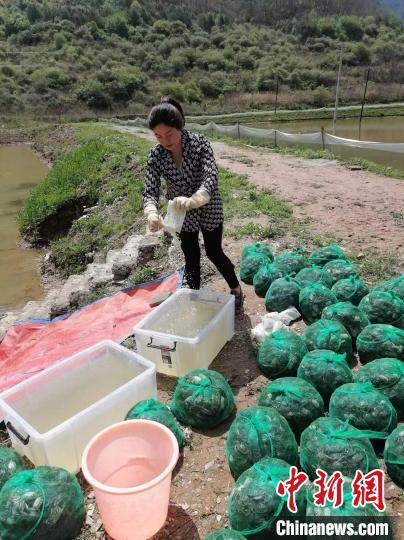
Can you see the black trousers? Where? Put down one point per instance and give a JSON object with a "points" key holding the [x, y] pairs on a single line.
{"points": [[214, 252]]}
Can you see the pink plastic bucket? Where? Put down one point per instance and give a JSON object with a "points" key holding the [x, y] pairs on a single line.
{"points": [[129, 465]]}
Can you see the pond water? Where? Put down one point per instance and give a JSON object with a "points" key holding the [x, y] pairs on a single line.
{"points": [[20, 172], [383, 129]]}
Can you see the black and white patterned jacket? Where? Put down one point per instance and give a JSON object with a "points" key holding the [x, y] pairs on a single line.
{"points": [[199, 171]]}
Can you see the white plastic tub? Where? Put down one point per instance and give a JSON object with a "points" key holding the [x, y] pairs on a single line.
{"points": [[53, 415], [186, 331]]}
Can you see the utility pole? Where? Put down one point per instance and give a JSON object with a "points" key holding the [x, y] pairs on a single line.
{"points": [[276, 94], [363, 102], [337, 91]]}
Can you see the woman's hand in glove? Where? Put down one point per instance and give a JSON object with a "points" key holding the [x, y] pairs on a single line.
{"points": [[198, 199], [154, 221]]}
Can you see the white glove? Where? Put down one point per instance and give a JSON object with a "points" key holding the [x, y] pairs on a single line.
{"points": [[198, 199], [154, 221]]}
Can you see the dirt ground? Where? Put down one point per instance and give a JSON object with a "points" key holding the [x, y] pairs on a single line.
{"points": [[356, 207]]}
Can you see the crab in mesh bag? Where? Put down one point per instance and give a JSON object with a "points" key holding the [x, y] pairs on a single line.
{"points": [[384, 308], [380, 341], [365, 408], [202, 398], [250, 265], [328, 510], [150, 409], [266, 274], [394, 455], [224, 534], [351, 289], [350, 316], [291, 262], [323, 255], [313, 274], [257, 247], [395, 286], [333, 445], [325, 370], [258, 432], [254, 504], [281, 353], [295, 399], [341, 269], [282, 294], [332, 335], [387, 376], [313, 299], [10, 464], [43, 503]]}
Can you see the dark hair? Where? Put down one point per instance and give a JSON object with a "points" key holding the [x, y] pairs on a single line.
{"points": [[169, 112]]}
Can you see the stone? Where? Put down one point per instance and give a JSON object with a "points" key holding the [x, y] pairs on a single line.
{"points": [[73, 291], [125, 260], [146, 248], [98, 274]]}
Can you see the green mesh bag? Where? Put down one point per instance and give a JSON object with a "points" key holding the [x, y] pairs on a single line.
{"points": [[313, 274], [365, 408], [333, 445], [150, 409], [253, 504], [250, 265], [291, 262], [395, 286], [281, 353], [387, 376], [383, 308], [43, 503], [313, 299], [257, 247], [259, 432], [394, 455], [282, 294], [295, 399], [350, 316], [332, 335], [267, 273], [323, 255], [351, 289], [380, 341], [325, 370], [10, 464], [346, 510], [202, 398], [224, 534], [341, 269]]}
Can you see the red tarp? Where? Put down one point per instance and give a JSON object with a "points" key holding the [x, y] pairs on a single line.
{"points": [[31, 346]]}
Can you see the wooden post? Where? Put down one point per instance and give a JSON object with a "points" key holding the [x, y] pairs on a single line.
{"points": [[363, 102], [337, 91], [322, 136], [276, 94], [238, 130], [275, 138]]}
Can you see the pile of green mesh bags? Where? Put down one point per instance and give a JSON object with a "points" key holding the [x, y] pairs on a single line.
{"points": [[266, 274], [313, 274], [295, 399], [281, 353], [380, 341], [313, 299], [282, 294], [394, 455], [43, 503], [323, 255], [334, 445], [325, 370], [365, 408], [150, 409], [340, 269], [254, 504], [383, 307], [10, 464], [259, 432], [252, 258], [349, 315], [291, 262], [387, 376], [202, 399], [332, 335], [395, 286], [351, 289]]}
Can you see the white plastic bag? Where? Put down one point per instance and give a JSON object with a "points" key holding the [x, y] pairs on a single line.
{"points": [[174, 219], [271, 322]]}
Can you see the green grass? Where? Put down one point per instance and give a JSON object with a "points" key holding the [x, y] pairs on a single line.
{"points": [[253, 230], [375, 269], [375, 167], [142, 275]]}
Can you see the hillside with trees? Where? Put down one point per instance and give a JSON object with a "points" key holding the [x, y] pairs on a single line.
{"points": [[119, 56]]}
